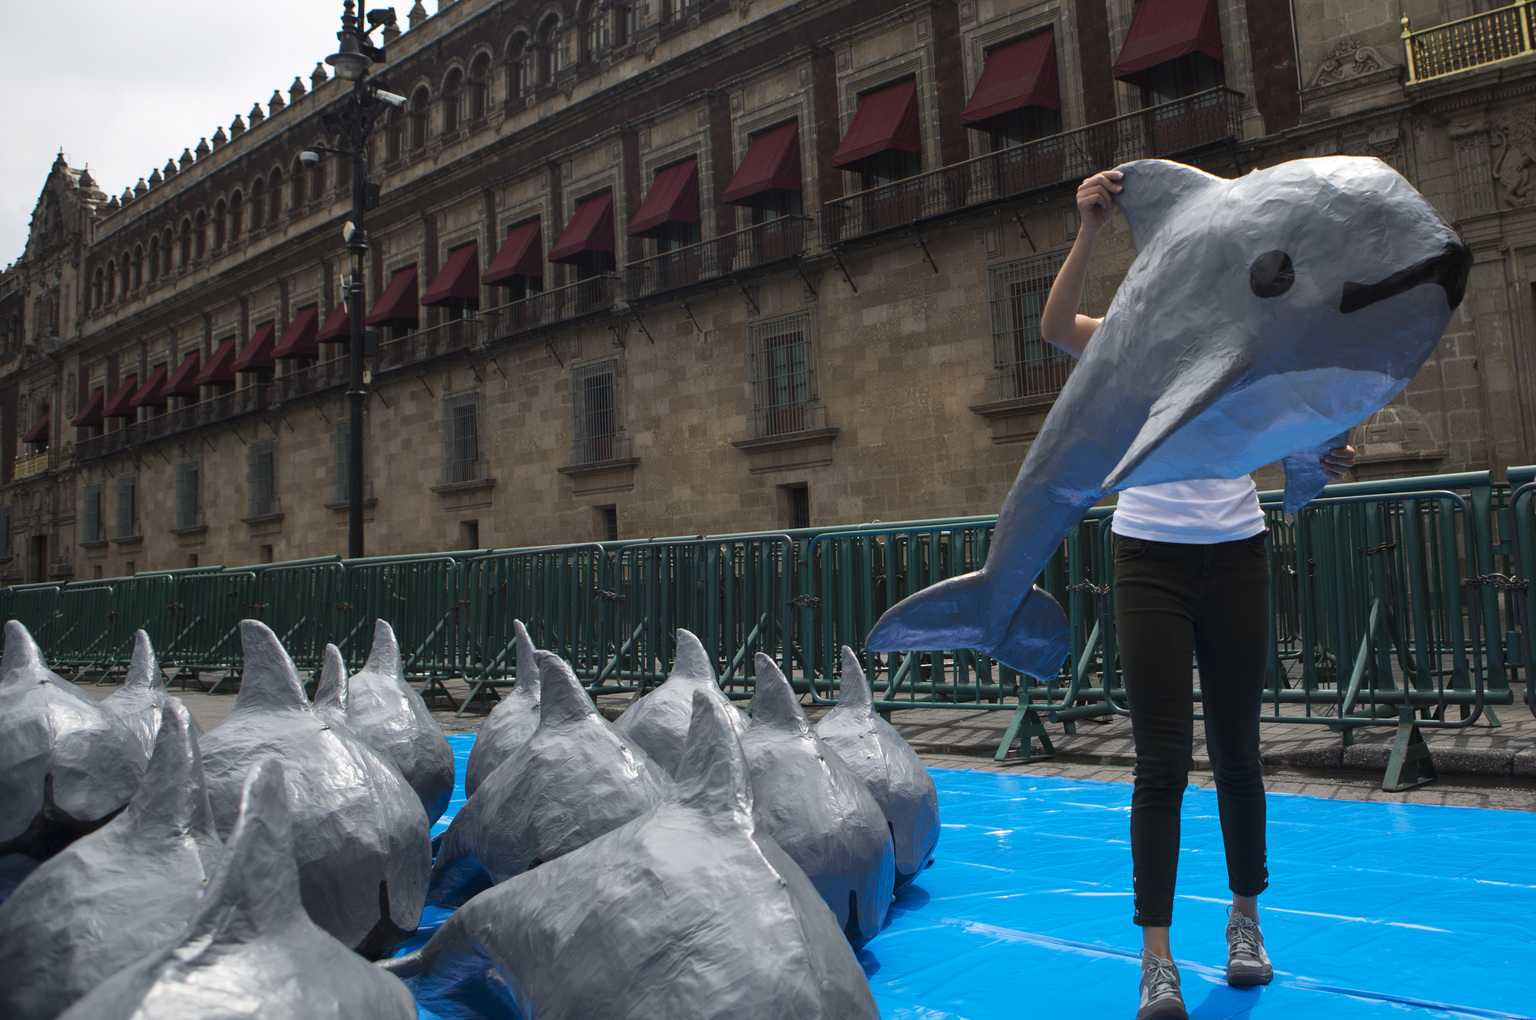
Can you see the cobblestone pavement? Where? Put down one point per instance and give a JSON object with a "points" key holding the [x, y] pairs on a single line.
{"points": [[1479, 766]]}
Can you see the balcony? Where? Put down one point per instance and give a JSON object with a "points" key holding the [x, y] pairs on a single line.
{"points": [[1167, 129], [573, 301], [429, 343], [35, 464], [1469, 43], [170, 423], [762, 244], [311, 379]]}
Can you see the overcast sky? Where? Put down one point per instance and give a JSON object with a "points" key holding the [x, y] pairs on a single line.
{"points": [[124, 87]]}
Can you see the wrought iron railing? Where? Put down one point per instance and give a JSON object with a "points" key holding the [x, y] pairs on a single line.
{"points": [[1182, 125], [546, 308], [181, 419], [1038, 378], [429, 343], [771, 421], [1469, 43], [758, 245], [311, 379], [33, 465], [599, 448]]}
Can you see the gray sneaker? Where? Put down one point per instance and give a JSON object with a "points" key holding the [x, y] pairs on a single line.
{"points": [[1247, 962], [1160, 998]]}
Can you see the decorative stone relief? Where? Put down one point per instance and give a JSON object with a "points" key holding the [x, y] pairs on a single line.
{"points": [[742, 8], [1474, 170], [1386, 144], [1514, 140], [1349, 60]]}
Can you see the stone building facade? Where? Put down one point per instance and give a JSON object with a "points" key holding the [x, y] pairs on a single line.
{"points": [[666, 267]]}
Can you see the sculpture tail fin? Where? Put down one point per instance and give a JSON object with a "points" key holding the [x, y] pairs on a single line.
{"points": [[1039, 637]]}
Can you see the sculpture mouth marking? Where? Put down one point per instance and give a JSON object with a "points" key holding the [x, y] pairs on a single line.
{"points": [[1449, 269]]}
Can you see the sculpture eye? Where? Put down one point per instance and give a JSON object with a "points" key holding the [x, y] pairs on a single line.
{"points": [[1271, 274]]}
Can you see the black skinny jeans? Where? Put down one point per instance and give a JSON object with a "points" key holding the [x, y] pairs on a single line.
{"points": [[1175, 603]]}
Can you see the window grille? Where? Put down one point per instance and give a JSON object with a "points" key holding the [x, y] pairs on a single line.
{"points": [[186, 494], [127, 516], [90, 512], [595, 413], [5, 532], [1024, 365], [341, 458], [461, 439], [783, 375], [260, 487]]}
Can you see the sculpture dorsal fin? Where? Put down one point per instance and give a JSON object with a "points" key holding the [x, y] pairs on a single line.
{"points": [[561, 696], [143, 669], [773, 702], [692, 663], [332, 692], [384, 656], [270, 681], [527, 686], [256, 887], [1153, 188], [854, 694], [173, 794], [713, 776], [23, 659]]}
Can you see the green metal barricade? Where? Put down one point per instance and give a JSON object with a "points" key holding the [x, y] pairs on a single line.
{"points": [[36, 606], [302, 603], [420, 597], [206, 618], [79, 643]]}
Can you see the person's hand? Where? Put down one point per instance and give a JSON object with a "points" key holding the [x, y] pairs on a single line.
{"points": [[1096, 198], [1337, 463]]}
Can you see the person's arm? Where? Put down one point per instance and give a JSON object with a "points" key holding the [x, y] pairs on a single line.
{"points": [[1338, 462], [1060, 324]]}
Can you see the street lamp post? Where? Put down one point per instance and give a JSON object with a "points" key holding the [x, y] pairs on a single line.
{"points": [[351, 124]]}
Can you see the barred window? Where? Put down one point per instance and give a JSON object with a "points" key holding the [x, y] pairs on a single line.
{"points": [[90, 514], [595, 413], [1024, 365], [187, 494], [461, 439], [127, 512], [5, 532], [260, 484], [783, 375]]}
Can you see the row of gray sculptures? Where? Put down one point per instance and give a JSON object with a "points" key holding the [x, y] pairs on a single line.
{"points": [[709, 860]]}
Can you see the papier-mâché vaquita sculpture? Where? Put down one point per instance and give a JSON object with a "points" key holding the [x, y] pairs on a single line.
{"points": [[511, 722], [690, 910], [1262, 318], [659, 720], [138, 703]]}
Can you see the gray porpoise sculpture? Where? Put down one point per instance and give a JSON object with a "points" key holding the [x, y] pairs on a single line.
{"points": [[890, 769], [817, 809], [390, 716], [659, 721], [139, 702], [117, 894], [691, 910], [511, 722], [574, 779], [67, 765], [250, 950], [362, 840], [1262, 318]]}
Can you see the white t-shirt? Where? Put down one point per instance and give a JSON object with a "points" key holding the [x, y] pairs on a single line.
{"points": [[1201, 512]]}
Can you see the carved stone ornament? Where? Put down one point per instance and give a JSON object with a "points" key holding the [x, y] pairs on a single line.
{"points": [[1514, 143], [1349, 60]]}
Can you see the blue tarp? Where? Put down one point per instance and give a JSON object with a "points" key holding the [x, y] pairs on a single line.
{"points": [[1374, 910]]}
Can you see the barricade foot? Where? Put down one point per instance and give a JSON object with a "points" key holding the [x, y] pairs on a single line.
{"points": [[1410, 764], [1024, 725]]}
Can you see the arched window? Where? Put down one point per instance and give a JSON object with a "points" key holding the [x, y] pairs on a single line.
{"points": [[96, 288], [419, 119], [519, 68], [317, 182], [296, 186], [624, 23], [186, 243], [236, 215], [219, 224], [200, 232], [275, 195], [547, 52], [154, 258], [594, 32], [111, 280], [167, 244], [479, 87], [258, 203], [452, 96], [394, 136], [138, 267]]}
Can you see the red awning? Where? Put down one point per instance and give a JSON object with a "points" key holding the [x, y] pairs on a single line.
{"points": [[1020, 74], [183, 381], [674, 198], [220, 367], [885, 119], [150, 394], [590, 229], [1164, 30], [521, 255], [772, 161], [458, 280], [90, 414], [256, 355], [337, 328], [121, 404], [38, 433], [299, 338], [398, 302]]}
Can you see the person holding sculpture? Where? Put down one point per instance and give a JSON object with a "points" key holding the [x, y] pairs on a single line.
{"points": [[1191, 584]]}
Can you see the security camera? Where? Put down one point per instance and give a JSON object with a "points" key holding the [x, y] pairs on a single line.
{"points": [[309, 157], [347, 230], [390, 97], [382, 16]]}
